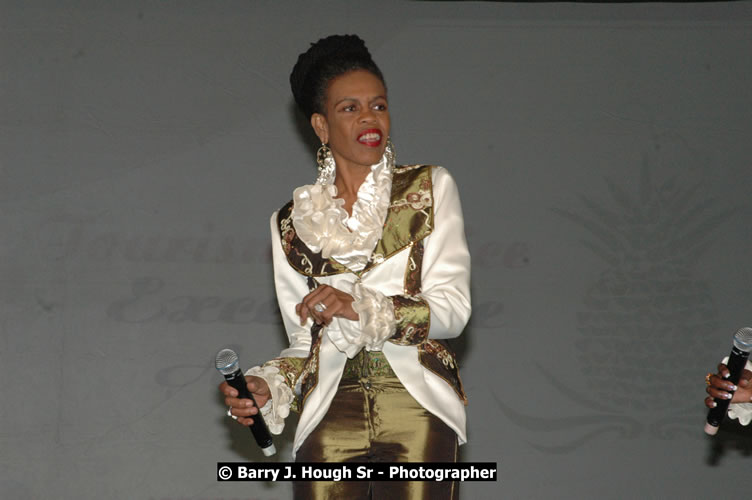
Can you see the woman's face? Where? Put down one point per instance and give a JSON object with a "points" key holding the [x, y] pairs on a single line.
{"points": [[355, 123]]}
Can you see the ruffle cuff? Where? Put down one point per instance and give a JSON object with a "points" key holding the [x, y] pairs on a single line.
{"points": [[741, 411], [277, 408], [375, 326]]}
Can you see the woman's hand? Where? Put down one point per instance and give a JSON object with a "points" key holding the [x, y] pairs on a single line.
{"points": [[244, 409], [330, 301], [719, 387]]}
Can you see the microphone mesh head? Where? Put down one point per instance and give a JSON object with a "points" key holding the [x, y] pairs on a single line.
{"points": [[227, 361], [743, 339]]}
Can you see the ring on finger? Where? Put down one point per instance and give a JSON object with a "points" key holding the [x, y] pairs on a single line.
{"points": [[229, 413], [319, 307], [707, 378]]}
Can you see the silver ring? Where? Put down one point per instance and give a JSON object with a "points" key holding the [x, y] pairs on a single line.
{"points": [[229, 413], [320, 307]]}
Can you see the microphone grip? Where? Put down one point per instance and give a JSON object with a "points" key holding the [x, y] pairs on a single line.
{"points": [[259, 429], [736, 363]]}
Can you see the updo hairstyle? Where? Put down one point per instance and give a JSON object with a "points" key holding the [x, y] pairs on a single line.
{"points": [[325, 60]]}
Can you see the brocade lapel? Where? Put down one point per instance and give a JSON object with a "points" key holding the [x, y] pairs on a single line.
{"points": [[409, 219]]}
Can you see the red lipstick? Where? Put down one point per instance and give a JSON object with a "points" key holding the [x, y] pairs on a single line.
{"points": [[370, 137]]}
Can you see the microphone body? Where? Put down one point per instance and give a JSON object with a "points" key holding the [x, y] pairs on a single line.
{"points": [[736, 363], [227, 364]]}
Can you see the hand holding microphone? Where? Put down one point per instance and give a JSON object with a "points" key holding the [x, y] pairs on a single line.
{"points": [[245, 409], [245, 396], [719, 387], [732, 383]]}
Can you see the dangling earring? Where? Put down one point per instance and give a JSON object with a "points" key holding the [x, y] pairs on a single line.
{"points": [[391, 154], [325, 161]]}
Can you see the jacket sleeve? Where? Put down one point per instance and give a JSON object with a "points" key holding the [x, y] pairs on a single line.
{"points": [[442, 309], [282, 373], [291, 287]]}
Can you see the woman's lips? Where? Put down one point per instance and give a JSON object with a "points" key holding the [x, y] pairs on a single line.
{"points": [[371, 137]]}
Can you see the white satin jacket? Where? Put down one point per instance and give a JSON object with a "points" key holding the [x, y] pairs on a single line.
{"points": [[375, 268]]}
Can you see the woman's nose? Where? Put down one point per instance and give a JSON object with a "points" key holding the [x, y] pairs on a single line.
{"points": [[367, 115]]}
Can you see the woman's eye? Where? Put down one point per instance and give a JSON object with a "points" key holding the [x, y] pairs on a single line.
{"points": [[351, 107], [380, 107]]}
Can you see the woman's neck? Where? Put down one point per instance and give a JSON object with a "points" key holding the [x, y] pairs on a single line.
{"points": [[348, 182]]}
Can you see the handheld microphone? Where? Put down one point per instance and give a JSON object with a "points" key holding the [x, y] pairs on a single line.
{"points": [[736, 363], [227, 364]]}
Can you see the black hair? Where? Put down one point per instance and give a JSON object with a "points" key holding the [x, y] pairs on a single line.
{"points": [[325, 60]]}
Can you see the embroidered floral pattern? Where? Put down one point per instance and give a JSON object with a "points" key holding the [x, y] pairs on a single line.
{"points": [[405, 224], [418, 200], [437, 357], [309, 375], [412, 273], [300, 257], [367, 364], [289, 368], [399, 229], [413, 318]]}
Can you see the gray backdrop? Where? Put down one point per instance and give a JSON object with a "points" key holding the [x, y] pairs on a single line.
{"points": [[602, 154]]}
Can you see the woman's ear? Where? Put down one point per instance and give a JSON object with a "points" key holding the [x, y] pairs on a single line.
{"points": [[321, 127]]}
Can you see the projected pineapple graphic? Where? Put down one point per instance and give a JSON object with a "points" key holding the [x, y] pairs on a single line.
{"points": [[648, 309], [642, 319]]}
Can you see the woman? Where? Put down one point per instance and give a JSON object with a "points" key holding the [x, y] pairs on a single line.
{"points": [[372, 272]]}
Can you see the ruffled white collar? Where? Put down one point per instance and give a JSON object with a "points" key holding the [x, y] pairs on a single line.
{"points": [[324, 226]]}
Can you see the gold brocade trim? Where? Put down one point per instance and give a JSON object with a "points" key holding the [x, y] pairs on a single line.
{"points": [[413, 317], [411, 312], [414, 268], [309, 376], [290, 368], [299, 256], [439, 358], [410, 215], [367, 364]]}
